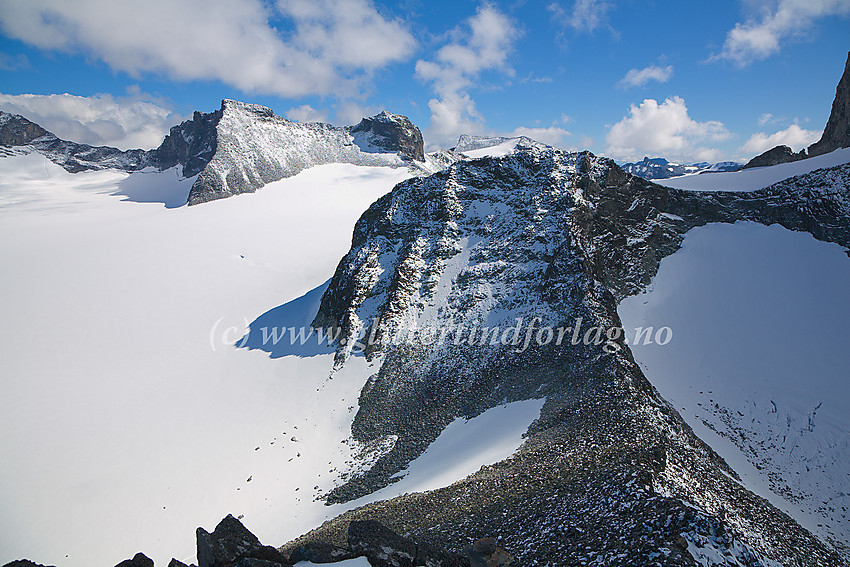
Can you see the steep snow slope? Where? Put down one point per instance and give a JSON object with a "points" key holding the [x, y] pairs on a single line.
{"points": [[127, 419], [759, 359], [756, 178]]}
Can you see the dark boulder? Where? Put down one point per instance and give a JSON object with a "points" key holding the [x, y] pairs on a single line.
{"points": [[380, 545], [319, 552], [486, 553], [232, 544], [138, 560]]}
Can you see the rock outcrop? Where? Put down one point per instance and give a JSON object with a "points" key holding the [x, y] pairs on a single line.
{"points": [[231, 544], [389, 132], [837, 132], [774, 156], [138, 560]]}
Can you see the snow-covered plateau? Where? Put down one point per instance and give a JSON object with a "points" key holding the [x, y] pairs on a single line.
{"points": [[128, 419]]}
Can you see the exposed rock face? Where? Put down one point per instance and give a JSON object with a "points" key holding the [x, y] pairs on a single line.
{"points": [[191, 144], [138, 560], [837, 132], [255, 147], [774, 156], [609, 470], [381, 546], [390, 133], [232, 544], [15, 130]]}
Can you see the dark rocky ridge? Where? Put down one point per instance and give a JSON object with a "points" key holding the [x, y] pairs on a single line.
{"points": [[775, 156], [569, 235], [836, 135]]}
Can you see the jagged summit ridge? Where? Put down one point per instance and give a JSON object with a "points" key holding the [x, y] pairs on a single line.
{"points": [[255, 147]]}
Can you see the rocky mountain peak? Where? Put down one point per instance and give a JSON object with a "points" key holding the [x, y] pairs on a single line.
{"points": [[390, 133], [191, 143], [15, 130], [837, 132]]}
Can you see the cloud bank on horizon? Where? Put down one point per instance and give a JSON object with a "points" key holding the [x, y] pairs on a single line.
{"points": [[453, 68]]}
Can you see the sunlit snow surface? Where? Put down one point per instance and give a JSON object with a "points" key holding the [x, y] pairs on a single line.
{"points": [[463, 448], [127, 419], [758, 363], [757, 177], [128, 416]]}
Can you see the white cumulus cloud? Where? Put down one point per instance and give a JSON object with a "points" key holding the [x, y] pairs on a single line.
{"points": [[665, 130], [760, 37], [306, 113], [585, 15], [483, 44], [290, 48], [639, 77], [134, 121], [794, 137]]}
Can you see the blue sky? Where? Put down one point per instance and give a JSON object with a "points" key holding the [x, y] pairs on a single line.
{"points": [[689, 81]]}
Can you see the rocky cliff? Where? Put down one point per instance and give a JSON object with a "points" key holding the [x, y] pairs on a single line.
{"points": [[836, 135], [837, 132]]}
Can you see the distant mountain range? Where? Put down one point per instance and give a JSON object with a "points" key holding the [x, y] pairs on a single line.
{"points": [[238, 148], [660, 168]]}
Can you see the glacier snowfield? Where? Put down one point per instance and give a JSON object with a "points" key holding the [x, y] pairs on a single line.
{"points": [[758, 363]]}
